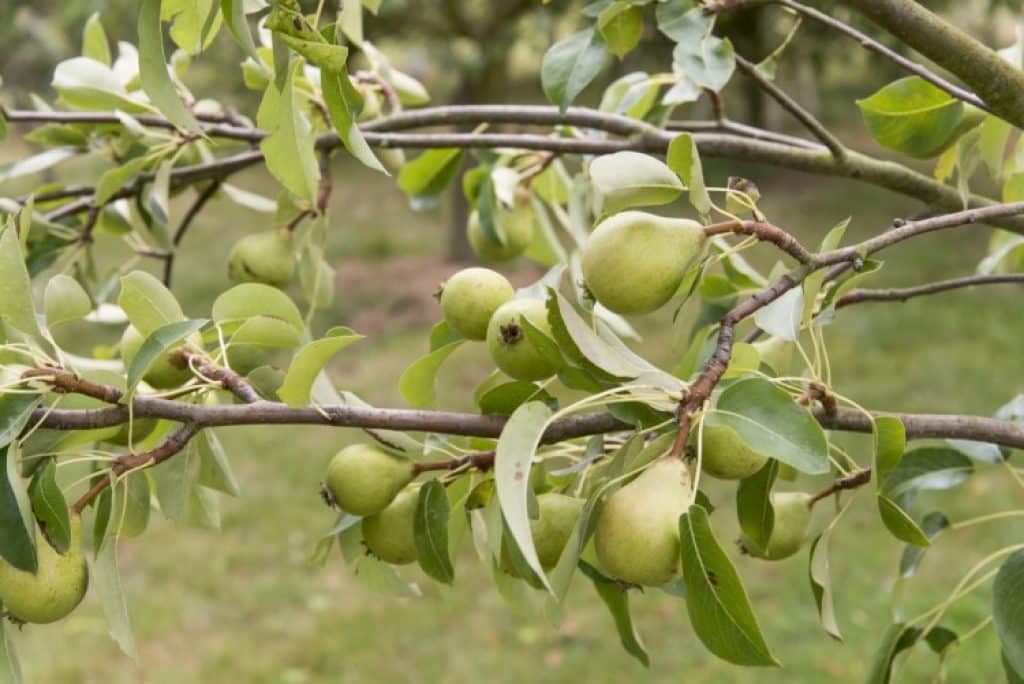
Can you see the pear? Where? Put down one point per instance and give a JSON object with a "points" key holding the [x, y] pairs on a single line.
{"points": [[776, 353], [510, 349], [470, 297], [57, 587], [726, 456], [637, 533], [142, 428], [162, 374], [363, 479], [245, 358], [554, 525], [517, 224], [392, 158], [390, 533], [634, 262], [263, 258], [792, 518]]}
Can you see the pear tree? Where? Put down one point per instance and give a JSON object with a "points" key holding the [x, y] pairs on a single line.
{"points": [[587, 459]]}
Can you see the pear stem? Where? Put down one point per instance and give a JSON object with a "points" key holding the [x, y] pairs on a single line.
{"points": [[851, 481]]}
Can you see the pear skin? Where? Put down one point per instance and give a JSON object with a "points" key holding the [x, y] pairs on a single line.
{"points": [[363, 479], [518, 232], [792, 518], [726, 456], [470, 297], [57, 587], [390, 534], [510, 349], [162, 374], [265, 257]]}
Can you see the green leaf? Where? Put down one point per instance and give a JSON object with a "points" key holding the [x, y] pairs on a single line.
{"points": [[505, 398], [343, 105], [17, 533], [214, 469], [64, 300], [899, 522], [113, 180], [86, 84], [417, 382], [289, 149], [932, 525], [256, 299], [15, 287], [513, 457], [631, 179], [820, 576], [49, 506], [716, 601], [754, 505], [571, 64], [94, 40], [897, 638], [709, 62], [430, 529], [234, 15], [15, 412], [621, 25], [266, 332], [153, 75], [309, 361], [684, 159], [890, 442], [10, 667], [1008, 609], [916, 118], [616, 598], [137, 505], [927, 468], [594, 349], [147, 302], [683, 21], [769, 421], [426, 176], [782, 317], [156, 344], [106, 578]]}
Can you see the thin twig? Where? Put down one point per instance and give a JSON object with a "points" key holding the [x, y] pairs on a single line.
{"points": [[903, 294], [851, 481]]}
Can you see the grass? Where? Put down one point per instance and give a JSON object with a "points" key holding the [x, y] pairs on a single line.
{"points": [[243, 605]]}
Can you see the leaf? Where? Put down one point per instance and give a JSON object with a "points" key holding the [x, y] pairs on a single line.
{"points": [[631, 179], [897, 638], [782, 317], [156, 344], [308, 363], [571, 64], [505, 398], [116, 178], [233, 12], [106, 578], [932, 525], [769, 421], [266, 332], [15, 287], [430, 529], [343, 104], [890, 442], [10, 667], [153, 74], [94, 40], [616, 598], [820, 576], [593, 348], [15, 412], [64, 300], [1008, 609], [214, 469], [256, 299], [683, 158], [289, 149], [621, 25], [929, 468], [899, 522], [716, 601], [49, 506], [426, 176], [754, 505], [17, 533], [709, 62], [683, 21], [36, 163], [147, 302], [417, 382], [916, 118], [516, 446]]}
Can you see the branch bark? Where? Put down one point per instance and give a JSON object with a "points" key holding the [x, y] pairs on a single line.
{"points": [[902, 294]]}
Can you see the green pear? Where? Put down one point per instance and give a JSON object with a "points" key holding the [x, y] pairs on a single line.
{"points": [[392, 158], [390, 534], [776, 353], [792, 518], [245, 358], [725, 456], [57, 587], [511, 351], [363, 479], [637, 533], [517, 224], [470, 297], [142, 428], [265, 257], [162, 374], [558, 514], [634, 262]]}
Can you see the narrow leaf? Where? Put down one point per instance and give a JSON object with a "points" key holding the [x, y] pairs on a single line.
{"points": [[616, 598], [153, 74], [308, 363], [417, 382], [430, 529]]}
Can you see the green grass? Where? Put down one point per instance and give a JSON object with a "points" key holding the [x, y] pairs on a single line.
{"points": [[243, 605]]}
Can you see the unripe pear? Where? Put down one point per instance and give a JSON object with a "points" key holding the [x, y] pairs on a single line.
{"points": [[558, 514], [517, 224], [264, 257], [637, 533], [634, 262], [726, 456], [792, 518], [162, 374], [390, 534], [393, 158], [510, 349], [363, 479], [57, 587], [470, 297], [776, 353], [245, 358]]}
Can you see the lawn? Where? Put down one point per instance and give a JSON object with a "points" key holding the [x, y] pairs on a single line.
{"points": [[245, 606]]}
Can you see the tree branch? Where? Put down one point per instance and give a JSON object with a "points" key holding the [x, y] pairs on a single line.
{"points": [[766, 232], [903, 294], [852, 481]]}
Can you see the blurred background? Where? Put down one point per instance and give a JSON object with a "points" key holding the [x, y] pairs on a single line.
{"points": [[245, 605]]}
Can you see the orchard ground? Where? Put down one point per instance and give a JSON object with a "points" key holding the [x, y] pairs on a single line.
{"points": [[244, 605]]}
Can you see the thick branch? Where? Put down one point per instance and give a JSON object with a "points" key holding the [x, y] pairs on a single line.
{"points": [[995, 80], [898, 294]]}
